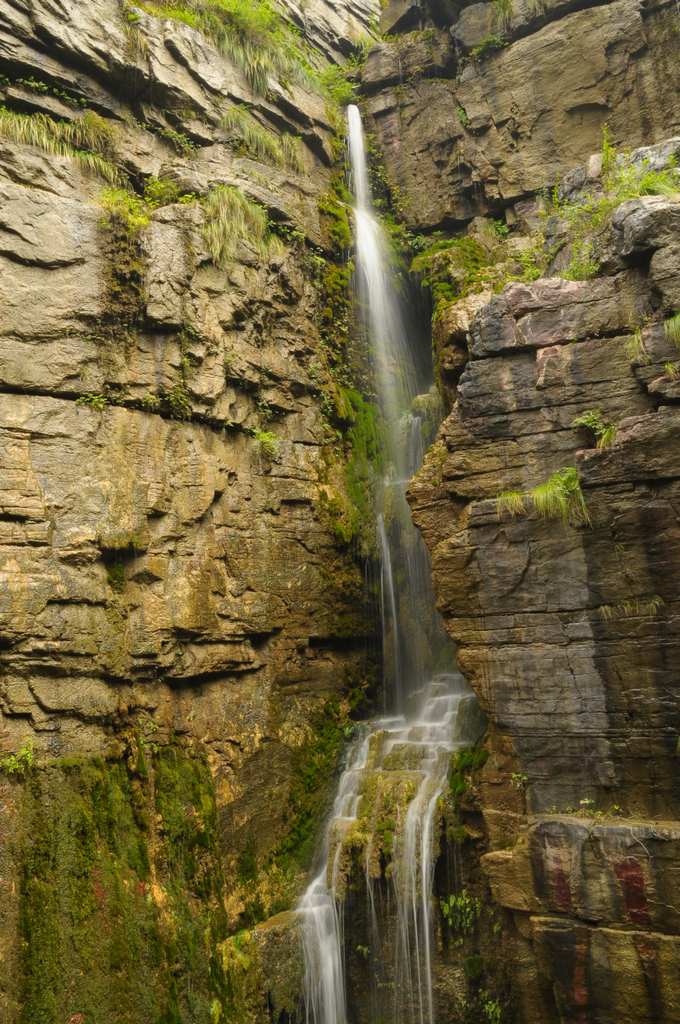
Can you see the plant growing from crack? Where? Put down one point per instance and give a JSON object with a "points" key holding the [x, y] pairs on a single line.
{"points": [[592, 420], [560, 497]]}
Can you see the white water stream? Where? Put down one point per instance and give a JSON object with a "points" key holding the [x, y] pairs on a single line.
{"points": [[432, 712]]}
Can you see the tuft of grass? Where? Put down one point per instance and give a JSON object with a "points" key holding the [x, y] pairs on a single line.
{"points": [[672, 370], [634, 608], [635, 347], [504, 10], [583, 265], [231, 218], [259, 142], [560, 497], [89, 139], [672, 329], [512, 502], [604, 433]]}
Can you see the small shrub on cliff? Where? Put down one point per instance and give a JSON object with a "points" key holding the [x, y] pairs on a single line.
{"points": [[18, 764], [267, 443], [672, 370], [591, 419], [126, 207], [560, 497], [587, 216], [635, 347], [89, 139], [93, 401]]}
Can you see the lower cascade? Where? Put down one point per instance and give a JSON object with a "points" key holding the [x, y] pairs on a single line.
{"points": [[382, 838]]}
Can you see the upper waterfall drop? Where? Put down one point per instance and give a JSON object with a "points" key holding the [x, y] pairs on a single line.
{"points": [[383, 830]]}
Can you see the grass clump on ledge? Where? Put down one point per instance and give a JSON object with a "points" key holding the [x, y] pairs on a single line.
{"points": [[672, 329], [231, 218], [88, 139], [604, 433], [251, 33], [260, 143], [560, 497]]}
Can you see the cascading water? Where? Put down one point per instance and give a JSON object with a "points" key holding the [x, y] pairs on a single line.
{"points": [[385, 811]]}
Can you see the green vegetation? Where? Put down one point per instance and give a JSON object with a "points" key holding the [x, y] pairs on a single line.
{"points": [[134, 211], [519, 780], [463, 764], [120, 890], [283, 150], [351, 512], [176, 400], [45, 89], [672, 329], [268, 444], [672, 370], [251, 33], [591, 419], [453, 268], [635, 347], [314, 768], [504, 9], [560, 497], [488, 45], [180, 141], [586, 217], [491, 1008], [230, 219], [93, 400], [583, 264], [126, 207], [89, 139], [460, 911], [462, 116], [20, 763]]}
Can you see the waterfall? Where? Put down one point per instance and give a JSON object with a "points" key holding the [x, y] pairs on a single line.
{"points": [[386, 808]]}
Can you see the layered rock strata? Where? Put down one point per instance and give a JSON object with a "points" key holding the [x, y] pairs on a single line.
{"points": [[179, 628]]}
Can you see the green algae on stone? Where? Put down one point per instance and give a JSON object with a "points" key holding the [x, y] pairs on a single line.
{"points": [[120, 892]]}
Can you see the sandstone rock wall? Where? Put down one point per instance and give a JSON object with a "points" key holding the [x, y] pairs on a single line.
{"points": [[167, 570], [569, 634]]}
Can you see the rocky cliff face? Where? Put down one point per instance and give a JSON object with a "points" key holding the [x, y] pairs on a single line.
{"points": [[564, 605], [182, 635]]}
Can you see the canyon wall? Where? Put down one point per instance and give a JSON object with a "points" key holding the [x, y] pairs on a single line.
{"points": [[183, 637], [567, 622]]}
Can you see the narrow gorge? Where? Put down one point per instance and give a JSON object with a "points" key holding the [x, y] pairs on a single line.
{"points": [[339, 512]]}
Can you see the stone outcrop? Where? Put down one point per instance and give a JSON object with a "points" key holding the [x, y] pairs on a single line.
{"points": [[567, 627], [475, 116]]}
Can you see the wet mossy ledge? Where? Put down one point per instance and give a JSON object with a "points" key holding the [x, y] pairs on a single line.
{"points": [[127, 885]]}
